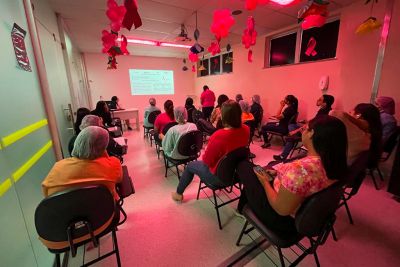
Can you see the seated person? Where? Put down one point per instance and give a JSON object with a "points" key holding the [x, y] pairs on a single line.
{"points": [[286, 114], [164, 118], [238, 97], [246, 115], [80, 114], [257, 110], [274, 203], [171, 138], [216, 114], [324, 103], [103, 112], [89, 165], [148, 110], [114, 104], [189, 108], [386, 107], [232, 136]]}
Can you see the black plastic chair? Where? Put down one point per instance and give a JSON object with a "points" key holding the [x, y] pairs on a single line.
{"points": [[387, 150], [69, 219], [206, 128], [252, 126], [189, 145], [124, 190], [196, 115], [151, 118], [314, 220], [271, 134], [158, 141], [226, 172]]}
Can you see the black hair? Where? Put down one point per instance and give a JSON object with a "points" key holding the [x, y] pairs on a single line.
{"points": [[231, 114], [221, 99], [330, 142], [238, 97], [292, 100], [189, 102], [205, 87], [80, 114], [328, 100], [101, 107], [114, 98], [169, 109], [371, 114]]}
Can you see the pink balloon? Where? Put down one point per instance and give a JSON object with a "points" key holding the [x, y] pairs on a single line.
{"points": [[193, 57], [115, 26], [313, 21], [222, 22]]}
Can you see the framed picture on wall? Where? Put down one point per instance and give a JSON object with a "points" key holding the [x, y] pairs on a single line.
{"points": [[227, 62], [215, 65]]}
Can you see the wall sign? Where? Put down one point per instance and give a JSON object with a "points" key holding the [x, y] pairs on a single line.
{"points": [[18, 36]]}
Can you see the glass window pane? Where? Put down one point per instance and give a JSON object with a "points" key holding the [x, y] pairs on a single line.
{"points": [[282, 50], [215, 65], [227, 62]]}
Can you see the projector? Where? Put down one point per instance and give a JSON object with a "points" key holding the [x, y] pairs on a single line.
{"points": [[183, 35]]}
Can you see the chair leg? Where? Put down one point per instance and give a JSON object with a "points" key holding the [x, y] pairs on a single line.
{"points": [[217, 210], [380, 173], [316, 259], [281, 256], [241, 233], [334, 234], [177, 172], [57, 260], [198, 192], [348, 212], [166, 167], [371, 173], [115, 241]]}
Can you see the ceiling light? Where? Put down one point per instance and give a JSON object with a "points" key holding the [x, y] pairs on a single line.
{"points": [[285, 2], [154, 43], [174, 45]]}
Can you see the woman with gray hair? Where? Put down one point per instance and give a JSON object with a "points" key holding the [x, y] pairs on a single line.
{"points": [[246, 115], [89, 165], [171, 138], [257, 110]]}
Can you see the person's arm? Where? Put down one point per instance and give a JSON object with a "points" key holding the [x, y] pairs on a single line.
{"points": [[168, 141], [279, 115], [213, 153], [360, 123]]}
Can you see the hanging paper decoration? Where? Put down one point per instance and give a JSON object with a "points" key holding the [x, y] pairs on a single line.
{"points": [[310, 51], [371, 23], [193, 57], [109, 40], [132, 16], [193, 68], [252, 4], [228, 47], [214, 48], [124, 44], [313, 14], [222, 23], [249, 36], [184, 68], [228, 60], [196, 48], [17, 37], [116, 14], [201, 68]]}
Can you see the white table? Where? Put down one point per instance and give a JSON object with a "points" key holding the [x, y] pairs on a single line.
{"points": [[126, 114]]}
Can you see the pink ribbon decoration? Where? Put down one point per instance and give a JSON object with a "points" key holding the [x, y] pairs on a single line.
{"points": [[132, 16], [312, 43], [250, 56]]}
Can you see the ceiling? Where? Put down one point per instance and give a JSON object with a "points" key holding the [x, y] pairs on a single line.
{"points": [[85, 19]]}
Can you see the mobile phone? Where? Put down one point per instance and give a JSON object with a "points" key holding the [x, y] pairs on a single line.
{"points": [[260, 170]]}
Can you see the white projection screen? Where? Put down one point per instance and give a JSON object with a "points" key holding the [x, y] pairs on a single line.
{"points": [[151, 82]]}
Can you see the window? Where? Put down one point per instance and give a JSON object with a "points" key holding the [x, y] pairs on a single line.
{"points": [[222, 63], [303, 46], [227, 62], [215, 65], [205, 72], [282, 50]]}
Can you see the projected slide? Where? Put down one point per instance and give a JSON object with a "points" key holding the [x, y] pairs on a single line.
{"points": [[151, 82]]}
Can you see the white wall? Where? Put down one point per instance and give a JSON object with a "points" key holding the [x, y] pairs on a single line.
{"points": [[107, 83]]}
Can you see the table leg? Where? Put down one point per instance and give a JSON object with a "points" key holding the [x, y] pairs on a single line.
{"points": [[137, 120]]}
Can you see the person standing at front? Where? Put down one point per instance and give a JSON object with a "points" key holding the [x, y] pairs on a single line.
{"points": [[207, 100]]}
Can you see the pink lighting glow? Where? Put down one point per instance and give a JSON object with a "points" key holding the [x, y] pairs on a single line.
{"points": [[154, 43], [285, 2]]}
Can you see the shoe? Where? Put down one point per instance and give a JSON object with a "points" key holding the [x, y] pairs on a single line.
{"points": [[266, 145], [252, 155], [129, 128], [177, 197], [238, 214], [278, 158]]}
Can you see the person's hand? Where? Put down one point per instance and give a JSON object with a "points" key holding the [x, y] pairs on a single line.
{"points": [[262, 178], [273, 173], [282, 103]]}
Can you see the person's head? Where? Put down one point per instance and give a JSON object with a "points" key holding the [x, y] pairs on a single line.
{"points": [[114, 99], [152, 101], [327, 136], [385, 104], [91, 143], [292, 101], [221, 99], [325, 101], [205, 87], [238, 97], [169, 108], [189, 102], [80, 114], [231, 114], [101, 107], [256, 99], [180, 114], [371, 114], [244, 105], [91, 120]]}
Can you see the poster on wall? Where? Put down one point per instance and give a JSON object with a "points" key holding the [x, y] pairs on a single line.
{"points": [[18, 36]]}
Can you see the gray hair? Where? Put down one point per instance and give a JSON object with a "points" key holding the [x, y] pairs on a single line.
{"points": [[256, 99], [152, 101], [180, 114], [244, 105], [90, 120], [91, 143]]}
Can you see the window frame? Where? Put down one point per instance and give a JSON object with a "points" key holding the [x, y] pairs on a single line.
{"points": [[208, 58]]}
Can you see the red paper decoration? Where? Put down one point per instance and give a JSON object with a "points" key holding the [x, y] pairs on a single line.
{"points": [[313, 14], [249, 36], [193, 57], [222, 23], [214, 48]]}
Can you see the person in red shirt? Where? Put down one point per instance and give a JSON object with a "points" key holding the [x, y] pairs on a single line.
{"points": [[232, 136], [207, 100], [165, 117]]}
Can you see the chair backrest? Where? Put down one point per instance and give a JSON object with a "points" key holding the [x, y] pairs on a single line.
{"points": [[151, 118], [317, 210], [196, 115], [226, 169], [56, 213], [190, 144], [168, 126], [356, 172], [293, 119], [252, 125], [390, 143], [205, 126]]}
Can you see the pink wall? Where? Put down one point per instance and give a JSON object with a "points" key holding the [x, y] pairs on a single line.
{"points": [[107, 83], [351, 73]]}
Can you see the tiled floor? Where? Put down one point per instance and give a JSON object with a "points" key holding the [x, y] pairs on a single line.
{"points": [[160, 232]]}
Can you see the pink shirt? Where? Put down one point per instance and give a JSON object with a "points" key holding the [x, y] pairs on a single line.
{"points": [[162, 120], [207, 98], [302, 177]]}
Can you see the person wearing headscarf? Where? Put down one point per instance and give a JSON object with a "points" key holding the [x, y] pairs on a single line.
{"points": [[246, 115], [171, 138], [89, 165], [386, 107]]}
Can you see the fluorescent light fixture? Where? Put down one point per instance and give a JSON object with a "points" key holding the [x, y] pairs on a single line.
{"points": [[154, 43], [285, 2]]}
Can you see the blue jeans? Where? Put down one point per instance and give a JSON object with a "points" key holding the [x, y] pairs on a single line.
{"points": [[289, 144], [202, 170]]}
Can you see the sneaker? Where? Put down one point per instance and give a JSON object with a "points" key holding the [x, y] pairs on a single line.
{"points": [[278, 158], [129, 128], [266, 145], [177, 197]]}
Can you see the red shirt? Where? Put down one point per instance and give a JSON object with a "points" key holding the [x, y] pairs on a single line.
{"points": [[162, 120], [207, 98], [222, 142]]}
